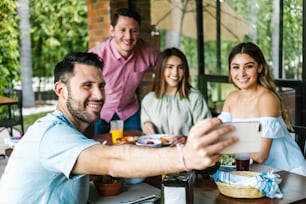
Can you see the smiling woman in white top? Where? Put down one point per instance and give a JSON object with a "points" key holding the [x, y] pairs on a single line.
{"points": [[173, 106], [257, 100]]}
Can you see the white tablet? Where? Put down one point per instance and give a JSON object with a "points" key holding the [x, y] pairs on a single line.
{"points": [[249, 137]]}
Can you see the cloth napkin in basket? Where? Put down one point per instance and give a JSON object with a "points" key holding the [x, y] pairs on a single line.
{"points": [[266, 182]]}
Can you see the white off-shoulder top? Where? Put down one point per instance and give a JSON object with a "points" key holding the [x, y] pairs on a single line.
{"points": [[284, 153]]}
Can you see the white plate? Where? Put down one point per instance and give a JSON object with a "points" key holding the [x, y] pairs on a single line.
{"points": [[156, 137], [149, 142]]}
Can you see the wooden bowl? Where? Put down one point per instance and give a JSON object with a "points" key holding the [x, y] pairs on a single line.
{"points": [[237, 191], [111, 188]]}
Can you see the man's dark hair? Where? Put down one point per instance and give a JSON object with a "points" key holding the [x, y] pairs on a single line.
{"points": [[66, 67], [125, 12]]}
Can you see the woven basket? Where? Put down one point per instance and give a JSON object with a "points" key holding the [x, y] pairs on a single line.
{"points": [[237, 191]]}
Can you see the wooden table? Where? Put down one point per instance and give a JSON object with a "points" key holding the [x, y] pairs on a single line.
{"points": [[293, 186], [6, 100], [205, 191]]}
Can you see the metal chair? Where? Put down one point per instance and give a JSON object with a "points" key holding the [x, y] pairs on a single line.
{"points": [[11, 117], [300, 137]]}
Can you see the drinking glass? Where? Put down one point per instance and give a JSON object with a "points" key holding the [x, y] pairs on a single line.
{"points": [[116, 128], [242, 161]]}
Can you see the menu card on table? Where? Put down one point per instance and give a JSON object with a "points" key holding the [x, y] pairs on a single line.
{"points": [[137, 193]]}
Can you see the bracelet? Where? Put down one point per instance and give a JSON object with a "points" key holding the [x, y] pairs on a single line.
{"points": [[180, 148]]}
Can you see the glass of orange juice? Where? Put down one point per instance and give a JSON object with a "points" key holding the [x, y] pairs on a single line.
{"points": [[116, 127]]}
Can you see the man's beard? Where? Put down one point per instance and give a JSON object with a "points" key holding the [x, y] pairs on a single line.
{"points": [[77, 113], [80, 111]]}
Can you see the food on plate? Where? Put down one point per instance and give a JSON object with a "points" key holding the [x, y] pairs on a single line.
{"points": [[165, 139], [150, 142], [228, 159], [127, 140]]}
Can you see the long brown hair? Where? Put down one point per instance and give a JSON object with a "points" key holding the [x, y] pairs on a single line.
{"points": [[159, 84], [265, 77]]}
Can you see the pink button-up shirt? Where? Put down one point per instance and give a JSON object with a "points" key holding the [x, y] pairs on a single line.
{"points": [[123, 77]]}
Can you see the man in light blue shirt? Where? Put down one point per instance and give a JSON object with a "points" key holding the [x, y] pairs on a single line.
{"points": [[43, 172], [51, 163], [40, 169]]}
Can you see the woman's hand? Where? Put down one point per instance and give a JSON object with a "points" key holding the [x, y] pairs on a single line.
{"points": [[148, 128]]}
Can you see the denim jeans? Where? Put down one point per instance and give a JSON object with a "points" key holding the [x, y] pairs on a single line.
{"points": [[132, 123]]}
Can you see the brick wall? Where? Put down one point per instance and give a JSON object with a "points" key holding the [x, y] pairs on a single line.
{"points": [[99, 16]]}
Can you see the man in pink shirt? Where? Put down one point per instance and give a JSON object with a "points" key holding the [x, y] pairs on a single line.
{"points": [[126, 57]]}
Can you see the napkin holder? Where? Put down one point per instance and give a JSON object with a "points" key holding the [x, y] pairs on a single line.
{"points": [[177, 189]]}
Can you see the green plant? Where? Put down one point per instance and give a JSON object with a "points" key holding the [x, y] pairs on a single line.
{"points": [[9, 64]]}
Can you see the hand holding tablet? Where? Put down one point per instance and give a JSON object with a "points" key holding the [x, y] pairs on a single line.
{"points": [[249, 136]]}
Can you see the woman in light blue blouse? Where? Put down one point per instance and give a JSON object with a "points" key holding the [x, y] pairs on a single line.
{"points": [[173, 106], [257, 100]]}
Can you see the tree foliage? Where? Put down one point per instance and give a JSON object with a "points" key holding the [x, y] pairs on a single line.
{"points": [[259, 14], [293, 42], [58, 27], [292, 29], [9, 64]]}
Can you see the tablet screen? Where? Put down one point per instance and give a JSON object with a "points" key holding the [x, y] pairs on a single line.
{"points": [[249, 136]]}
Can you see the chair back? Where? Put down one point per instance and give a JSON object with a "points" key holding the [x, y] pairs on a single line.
{"points": [[300, 137], [11, 116]]}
